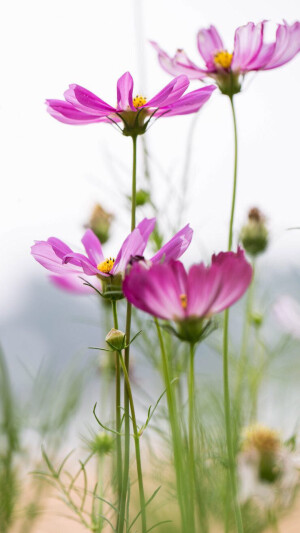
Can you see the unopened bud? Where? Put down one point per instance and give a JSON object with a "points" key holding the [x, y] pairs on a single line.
{"points": [[102, 444], [100, 223], [254, 234], [256, 319], [142, 197], [116, 339]]}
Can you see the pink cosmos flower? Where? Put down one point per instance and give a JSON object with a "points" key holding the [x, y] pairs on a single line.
{"points": [[250, 52], [167, 291], [83, 107], [68, 266]]}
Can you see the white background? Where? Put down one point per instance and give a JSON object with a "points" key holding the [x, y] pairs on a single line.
{"points": [[52, 174]]}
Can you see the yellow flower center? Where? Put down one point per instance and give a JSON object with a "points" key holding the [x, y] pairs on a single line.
{"points": [[261, 438], [183, 300], [106, 265], [139, 101], [223, 59]]}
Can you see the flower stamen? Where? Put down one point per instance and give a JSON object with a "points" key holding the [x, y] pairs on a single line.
{"points": [[223, 59], [106, 265], [138, 101], [183, 300]]}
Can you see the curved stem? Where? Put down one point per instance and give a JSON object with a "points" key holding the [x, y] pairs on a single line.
{"points": [[125, 480], [137, 445], [118, 409], [174, 430], [230, 449]]}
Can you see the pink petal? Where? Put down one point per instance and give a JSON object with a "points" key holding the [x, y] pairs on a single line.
{"points": [[189, 103], [145, 227], [68, 114], [287, 45], [72, 284], [157, 290], [209, 42], [248, 41], [86, 101], [87, 266], [170, 93], [45, 254], [179, 64], [204, 284], [124, 92], [235, 278], [134, 244], [92, 247], [175, 247]]}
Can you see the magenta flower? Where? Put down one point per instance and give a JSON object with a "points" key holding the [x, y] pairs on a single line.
{"points": [[190, 298], [250, 53], [83, 107], [69, 267]]}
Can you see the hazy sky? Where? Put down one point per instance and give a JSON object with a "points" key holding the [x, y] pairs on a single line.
{"points": [[52, 174]]}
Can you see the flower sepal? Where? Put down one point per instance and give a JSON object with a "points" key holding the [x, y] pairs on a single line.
{"points": [[229, 83], [134, 122], [112, 287], [192, 330]]}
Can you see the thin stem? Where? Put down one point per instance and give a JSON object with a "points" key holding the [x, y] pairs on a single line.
{"points": [[246, 337], [118, 409], [174, 429], [234, 176], [230, 449], [137, 445], [191, 458], [125, 480], [133, 193]]}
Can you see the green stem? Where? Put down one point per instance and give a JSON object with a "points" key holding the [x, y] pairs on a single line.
{"points": [[118, 409], [230, 449], [100, 491], [242, 367], [174, 430], [234, 176], [133, 192], [125, 480], [191, 458], [137, 445]]}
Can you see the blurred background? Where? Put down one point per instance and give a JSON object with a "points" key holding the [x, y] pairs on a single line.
{"points": [[53, 174]]}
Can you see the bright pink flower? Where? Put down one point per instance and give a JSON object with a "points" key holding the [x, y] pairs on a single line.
{"points": [[167, 291], [69, 266], [250, 52], [83, 107]]}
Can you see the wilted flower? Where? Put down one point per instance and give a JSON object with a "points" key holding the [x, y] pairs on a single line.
{"points": [[83, 107], [250, 53], [254, 234], [100, 223], [69, 266], [167, 291], [268, 469]]}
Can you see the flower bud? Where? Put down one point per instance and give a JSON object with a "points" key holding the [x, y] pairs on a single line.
{"points": [[101, 444], [256, 319], [254, 234], [112, 287], [116, 339], [100, 223], [142, 197]]}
